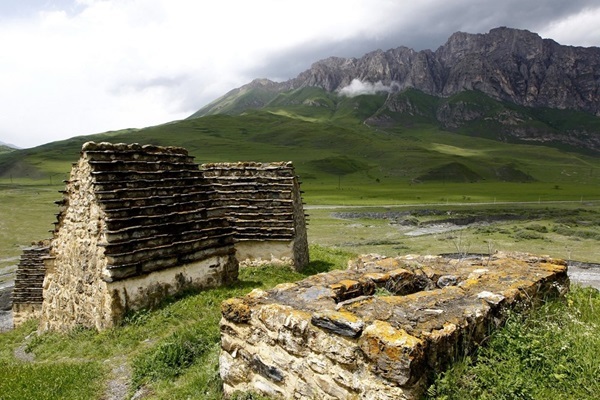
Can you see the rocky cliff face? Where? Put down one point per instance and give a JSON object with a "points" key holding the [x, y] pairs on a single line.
{"points": [[506, 64]]}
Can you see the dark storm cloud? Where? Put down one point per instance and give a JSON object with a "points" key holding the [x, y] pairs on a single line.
{"points": [[428, 30]]}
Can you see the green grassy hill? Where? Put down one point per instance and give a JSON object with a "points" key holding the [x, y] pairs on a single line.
{"points": [[471, 113], [5, 149], [341, 159]]}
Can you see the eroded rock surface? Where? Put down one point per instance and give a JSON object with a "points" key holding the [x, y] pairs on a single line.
{"points": [[378, 329]]}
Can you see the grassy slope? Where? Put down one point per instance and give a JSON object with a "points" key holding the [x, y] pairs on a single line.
{"points": [[551, 355], [341, 161], [5, 149], [174, 349]]}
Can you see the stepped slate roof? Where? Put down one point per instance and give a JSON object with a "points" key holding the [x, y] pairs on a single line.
{"points": [[157, 208]]}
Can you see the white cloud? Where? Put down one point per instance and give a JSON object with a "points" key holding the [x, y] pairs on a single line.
{"points": [[581, 29], [357, 88], [77, 67]]}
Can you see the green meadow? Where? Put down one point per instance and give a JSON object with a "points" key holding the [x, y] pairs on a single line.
{"points": [[396, 190]]}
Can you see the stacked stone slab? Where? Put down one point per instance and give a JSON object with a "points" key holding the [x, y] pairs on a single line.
{"points": [[27, 294], [136, 224], [264, 205], [377, 330]]}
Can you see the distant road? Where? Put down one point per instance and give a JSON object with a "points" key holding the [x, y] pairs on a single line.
{"points": [[471, 204]]}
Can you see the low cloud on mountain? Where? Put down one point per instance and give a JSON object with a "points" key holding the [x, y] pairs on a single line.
{"points": [[357, 88]]}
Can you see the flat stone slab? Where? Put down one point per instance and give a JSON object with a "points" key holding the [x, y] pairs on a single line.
{"points": [[379, 329]]}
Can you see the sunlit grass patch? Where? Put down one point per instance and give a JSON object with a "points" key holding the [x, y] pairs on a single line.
{"points": [[58, 380]]}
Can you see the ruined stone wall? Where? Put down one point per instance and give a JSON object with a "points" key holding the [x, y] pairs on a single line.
{"points": [[27, 294], [264, 204], [74, 291], [378, 329]]}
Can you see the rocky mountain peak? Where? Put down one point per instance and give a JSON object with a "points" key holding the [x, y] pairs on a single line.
{"points": [[507, 64]]}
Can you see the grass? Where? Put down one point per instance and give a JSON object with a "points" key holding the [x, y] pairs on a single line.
{"points": [[26, 216], [171, 351], [339, 157], [567, 231], [50, 381], [550, 354]]}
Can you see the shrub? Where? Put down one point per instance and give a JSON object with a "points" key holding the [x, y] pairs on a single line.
{"points": [[526, 235], [537, 228]]}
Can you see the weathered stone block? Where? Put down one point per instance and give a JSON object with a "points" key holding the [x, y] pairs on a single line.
{"points": [[331, 336]]}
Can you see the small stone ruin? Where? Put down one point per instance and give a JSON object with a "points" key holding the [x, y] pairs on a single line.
{"points": [[377, 330], [263, 201], [140, 223], [27, 293]]}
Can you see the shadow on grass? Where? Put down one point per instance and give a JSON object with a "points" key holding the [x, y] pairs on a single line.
{"points": [[316, 267]]}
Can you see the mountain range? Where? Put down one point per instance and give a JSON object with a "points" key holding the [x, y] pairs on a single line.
{"points": [[508, 84], [502, 108]]}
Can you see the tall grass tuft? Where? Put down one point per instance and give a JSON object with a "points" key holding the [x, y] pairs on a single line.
{"points": [[173, 355]]}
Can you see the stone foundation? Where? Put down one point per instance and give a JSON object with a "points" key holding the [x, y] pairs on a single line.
{"points": [[255, 253], [377, 330], [22, 312]]}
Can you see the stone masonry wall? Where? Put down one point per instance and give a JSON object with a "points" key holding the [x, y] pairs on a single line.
{"points": [[264, 205], [27, 294], [378, 329], [136, 225], [74, 291], [139, 223]]}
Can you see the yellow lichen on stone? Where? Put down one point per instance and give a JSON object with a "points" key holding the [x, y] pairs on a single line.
{"points": [[273, 315], [380, 337], [343, 316], [236, 310], [376, 277], [395, 355], [349, 284], [552, 267], [285, 286], [388, 263], [400, 273]]}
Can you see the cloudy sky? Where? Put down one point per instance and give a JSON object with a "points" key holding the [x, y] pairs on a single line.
{"points": [[77, 67]]}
